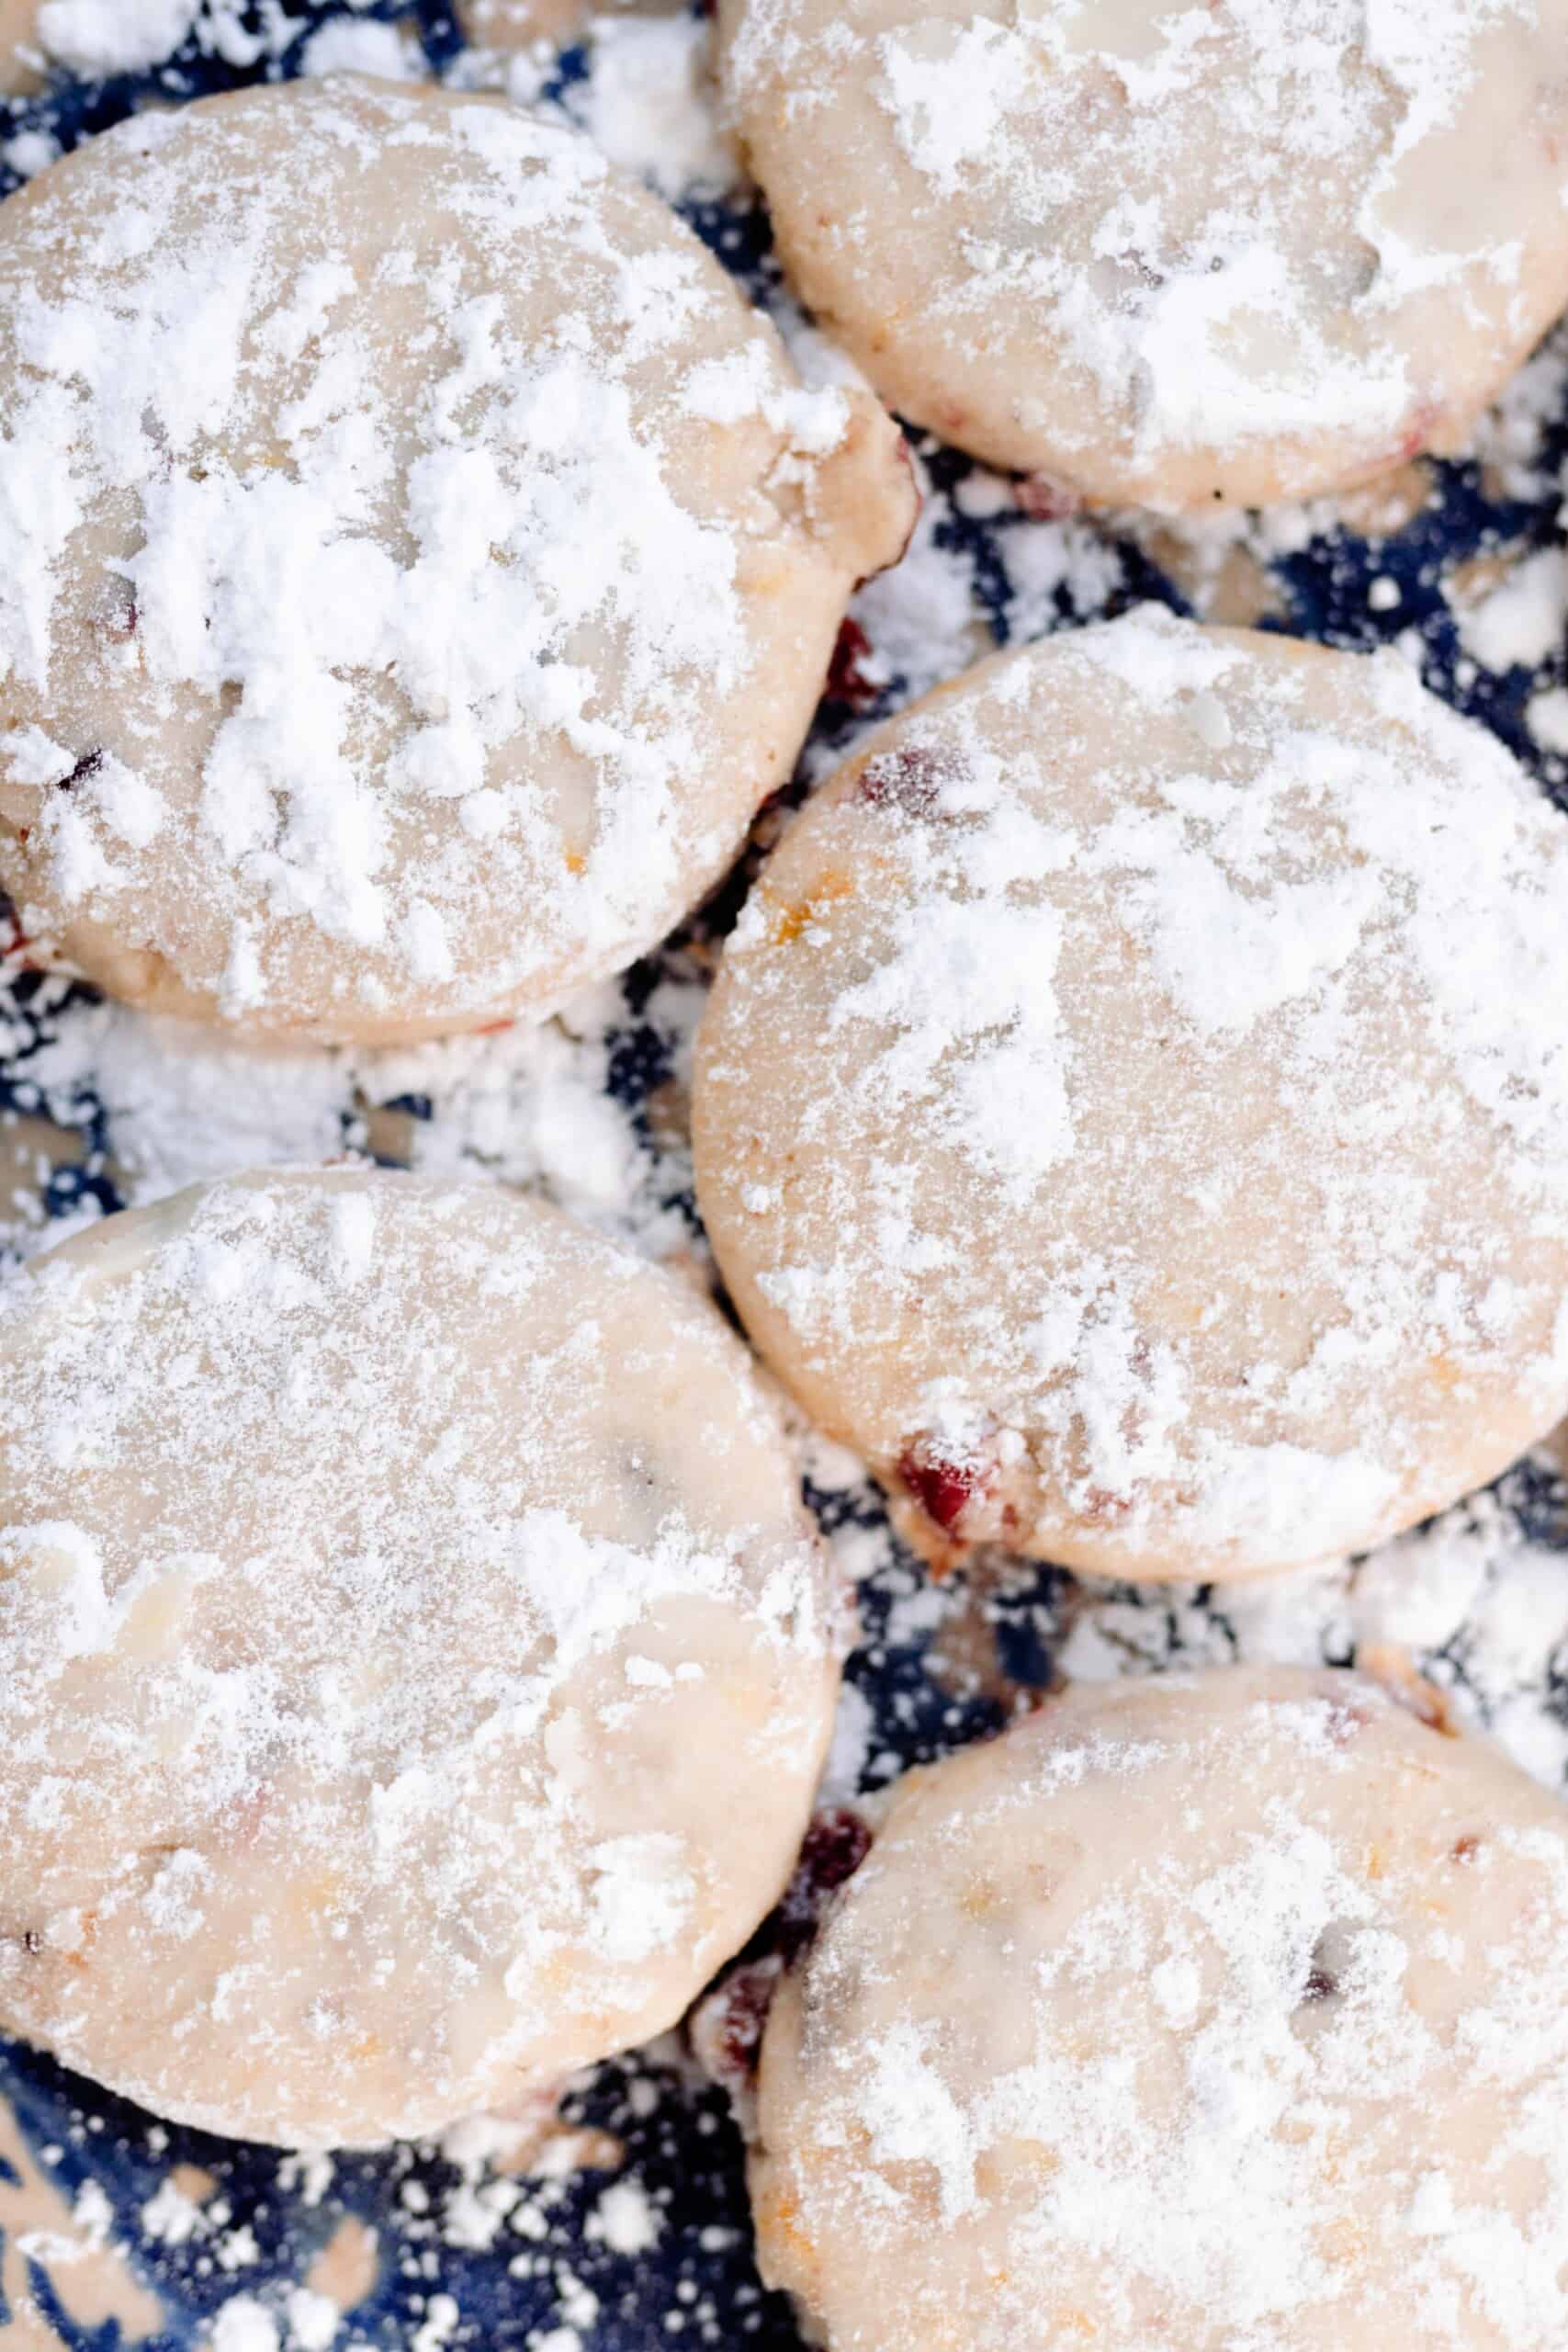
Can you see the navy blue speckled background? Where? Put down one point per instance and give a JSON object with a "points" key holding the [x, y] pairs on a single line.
{"points": [[697, 2284]]}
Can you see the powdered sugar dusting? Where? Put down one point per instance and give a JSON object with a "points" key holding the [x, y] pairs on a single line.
{"points": [[1225, 2011], [474, 740], [646, 102], [1170, 254], [314, 1575], [524, 1106], [1282, 849], [103, 37]]}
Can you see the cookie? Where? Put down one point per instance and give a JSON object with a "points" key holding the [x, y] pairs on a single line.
{"points": [[417, 1659], [410, 592], [1133, 1109], [1211, 2012], [1170, 257]]}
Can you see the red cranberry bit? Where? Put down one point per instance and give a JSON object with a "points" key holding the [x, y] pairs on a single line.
{"points": [[836, 1845], [907, 779], [1412, 442], [941, 1485], [14, 940], [727, 2027], [847, 678], [1045, 501], [746, 2001]]}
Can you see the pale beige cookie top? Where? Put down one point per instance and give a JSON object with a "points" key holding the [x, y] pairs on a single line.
{"points": [[416, 1659], [1168, 254], [1190, 2015], [21, 59], [1134, 1107], [406, 597]]}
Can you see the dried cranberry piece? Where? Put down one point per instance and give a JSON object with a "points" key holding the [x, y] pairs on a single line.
{"points": [[847, 680], [907, 779], [836, 1845], [747, 1997], [941, 1485], [727, 2027]]}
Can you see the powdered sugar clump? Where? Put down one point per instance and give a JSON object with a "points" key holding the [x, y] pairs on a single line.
{"points": [[646, 102], [369, 46], [526, 1106], [97, 38]]}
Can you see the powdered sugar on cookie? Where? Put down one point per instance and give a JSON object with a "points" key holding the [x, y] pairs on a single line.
{"points": [[394, 630], [1170, 254], [1172, 1174], [366, 1615], [1221, 2011]]}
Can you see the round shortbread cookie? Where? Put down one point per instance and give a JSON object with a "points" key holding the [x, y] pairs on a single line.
{"points": [[411, 587], [1169, 254], [417, 1660], [1206, 2014], [1134, 1108]]}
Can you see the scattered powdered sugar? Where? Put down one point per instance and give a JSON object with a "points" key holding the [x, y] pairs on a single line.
{"points": [[526, 1106], [921, 617], [245, 2325], [96, 38], [1511, 436], [1475, 1601], [184, 1105], [1525, 618], [645, 100], [624, 2219], [342, 46]]}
